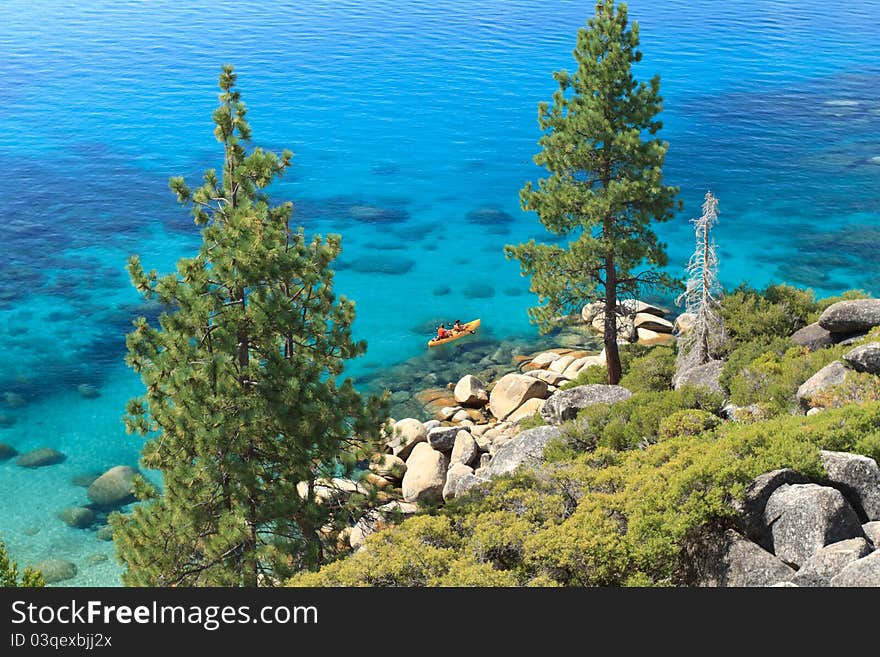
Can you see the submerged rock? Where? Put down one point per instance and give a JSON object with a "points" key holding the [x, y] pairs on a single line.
{"points": [[7, 451], [39, 458], [114, 487], [78, 517], [88, 391], [55, 570]]}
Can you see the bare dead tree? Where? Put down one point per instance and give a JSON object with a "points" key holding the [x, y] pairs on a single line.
{"points": [[703, 292]]}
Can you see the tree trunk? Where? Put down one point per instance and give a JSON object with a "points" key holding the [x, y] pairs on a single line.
{"points": [[612, 355]]}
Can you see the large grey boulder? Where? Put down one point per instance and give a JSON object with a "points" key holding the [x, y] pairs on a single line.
{"points": [[465, 449], [406, 434], [511, 391], [707, 375], [443, 438], [732, 560], [831, 375], [526, 448], [858, 478], [425, 474], [114, 487], [564, 405], [38, 458], [863, 572], [754, 501], [470, 391], [851, 316], [865, 358], [55, 570], [813, 337], [806, 517], [829, 561], [453, 476]]}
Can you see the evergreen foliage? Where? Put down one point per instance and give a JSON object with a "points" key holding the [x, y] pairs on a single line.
{"points": [[601, 518], [243, 409], [9, 578], [605, 183]]}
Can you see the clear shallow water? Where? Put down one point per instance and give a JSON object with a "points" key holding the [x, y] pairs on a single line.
{"points": [[426, 111]]}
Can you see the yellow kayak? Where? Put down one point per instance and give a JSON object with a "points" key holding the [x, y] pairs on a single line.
{"points": [[468, 329]]}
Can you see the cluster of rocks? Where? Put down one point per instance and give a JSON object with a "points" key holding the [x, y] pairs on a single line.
{"points": [[797, 532], [845, 322], [636, 321]]}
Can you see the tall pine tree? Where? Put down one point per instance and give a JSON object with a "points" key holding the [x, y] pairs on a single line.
{"points": [[242, 404], [605, 183]]}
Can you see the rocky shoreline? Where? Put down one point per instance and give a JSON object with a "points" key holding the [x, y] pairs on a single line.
{"points": [[792, 531]]}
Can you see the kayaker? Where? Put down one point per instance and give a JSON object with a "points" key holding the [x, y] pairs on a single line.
{"points": [[442, 332], [457, 327]]}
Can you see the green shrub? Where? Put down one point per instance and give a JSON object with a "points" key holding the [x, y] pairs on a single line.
{"points": [[531, 421], [858, 387], [689, 422], [652, 372], [591, 374], [602, 518], [636, 421], [849, 295], [772, 379], [778, 311]]}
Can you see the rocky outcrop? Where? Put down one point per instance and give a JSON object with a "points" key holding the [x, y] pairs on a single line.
{"points": [[855, 316], [564, 405], [114, 487], [511, 391], [731, 560], [830, 560], [858, 478], [39, 458], [754, 502], [55, 570], [525, 449], [470, 391], [865, 358], [813, 337], [863, 572], [406, 434], [707, 375], [831, 375], [652, 323], [806, 517], [425, 474]]}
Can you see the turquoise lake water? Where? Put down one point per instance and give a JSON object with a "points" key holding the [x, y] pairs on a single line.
{"points": [[425, 114]]}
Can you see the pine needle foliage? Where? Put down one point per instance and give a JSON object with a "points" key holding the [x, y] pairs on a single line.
{"points": [[9, 578], [605, 185], [243, 409]]}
